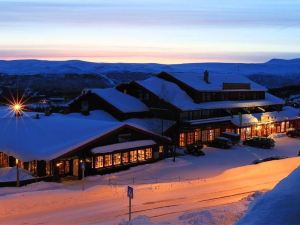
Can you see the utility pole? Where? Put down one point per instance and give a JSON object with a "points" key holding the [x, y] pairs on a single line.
{"points": [[82, 173]]}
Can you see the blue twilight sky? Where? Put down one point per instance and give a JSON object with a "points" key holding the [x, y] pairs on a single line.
{"points": [[164, 31]]}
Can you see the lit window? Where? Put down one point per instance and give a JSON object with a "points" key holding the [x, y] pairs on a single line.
{"points": [[190, 138], [197, 135], [182, 139], [3, 160], [148, 153], [108, 160], [161, 149], [133, 156], [125, 159], [117, 158], [141, 155], [99, 162]]}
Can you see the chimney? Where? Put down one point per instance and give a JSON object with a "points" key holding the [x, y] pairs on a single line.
{"points": [[206, 76]]}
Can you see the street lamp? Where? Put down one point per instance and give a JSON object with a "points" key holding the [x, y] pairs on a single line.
{"points": [[17, 108]]}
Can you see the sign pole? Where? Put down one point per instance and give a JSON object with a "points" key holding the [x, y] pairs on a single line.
{"points": [[129, 209], [130, 196]]}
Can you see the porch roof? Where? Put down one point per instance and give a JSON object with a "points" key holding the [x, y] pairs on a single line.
{"points": [[123, 146]]}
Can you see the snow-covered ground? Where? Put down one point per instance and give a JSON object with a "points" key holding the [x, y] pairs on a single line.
{"points": [[164, 203], [10, 174], [279, 206], [213, 189]]}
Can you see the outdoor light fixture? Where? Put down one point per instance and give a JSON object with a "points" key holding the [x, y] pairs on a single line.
{"points": [[16, 107]]}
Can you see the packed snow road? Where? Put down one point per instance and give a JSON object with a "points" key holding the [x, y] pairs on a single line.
{"points": [[103, 204]]}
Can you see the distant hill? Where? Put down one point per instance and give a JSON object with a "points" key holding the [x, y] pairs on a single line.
{"points": [[274, 73]]}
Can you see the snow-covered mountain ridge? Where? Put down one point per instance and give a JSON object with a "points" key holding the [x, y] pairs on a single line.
{"points": [[33, 67], [262, 72]]}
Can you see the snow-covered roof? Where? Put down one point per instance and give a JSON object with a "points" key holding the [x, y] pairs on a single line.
{"points": [[288, 113], [48, 137], [169, 92], [155, 125], [196, 81], [123, 102], [98, 115], [210, 120], [123, 146], [269, 100], [174, 95]]}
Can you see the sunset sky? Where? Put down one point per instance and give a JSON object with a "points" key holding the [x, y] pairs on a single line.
{"points": [[163, 31]]}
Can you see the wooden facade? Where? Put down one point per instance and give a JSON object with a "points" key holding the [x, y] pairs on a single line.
{"points": [[69, 163], [209, 132], [118, 159]]}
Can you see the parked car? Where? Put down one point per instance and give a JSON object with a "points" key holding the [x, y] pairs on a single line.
{"points": [[234, 137], [292, 132], [220, 142], [269, 159], [195, 149], [260, 142]]}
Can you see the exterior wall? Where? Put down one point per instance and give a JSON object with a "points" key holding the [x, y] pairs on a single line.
{"points": [[202, 133], [128, 157], [38, 168], [205, 134], [264, 130], [69, 165]]}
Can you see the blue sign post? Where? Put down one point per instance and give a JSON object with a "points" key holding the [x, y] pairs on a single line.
{"points": [[130, 196]]}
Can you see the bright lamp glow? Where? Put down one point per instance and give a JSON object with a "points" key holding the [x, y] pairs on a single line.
{"points": [[17, 107]]}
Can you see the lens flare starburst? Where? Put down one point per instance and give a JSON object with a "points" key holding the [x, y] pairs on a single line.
{"points": [[16, 106]]}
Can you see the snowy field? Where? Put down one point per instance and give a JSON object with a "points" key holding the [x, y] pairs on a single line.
{"points": [[214, 189]]}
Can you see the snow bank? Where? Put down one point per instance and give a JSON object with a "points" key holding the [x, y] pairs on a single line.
{"points": [[279, 206], [10, 174], [140, 220]]}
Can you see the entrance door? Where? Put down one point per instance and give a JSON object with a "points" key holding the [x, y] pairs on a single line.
{"points": [[75, 167]]}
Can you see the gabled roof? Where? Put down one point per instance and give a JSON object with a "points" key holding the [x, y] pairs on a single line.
{"points": [[123, 146], [50, 137], [169, 92], [174, 95], [123, 102], [196, 81]]}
